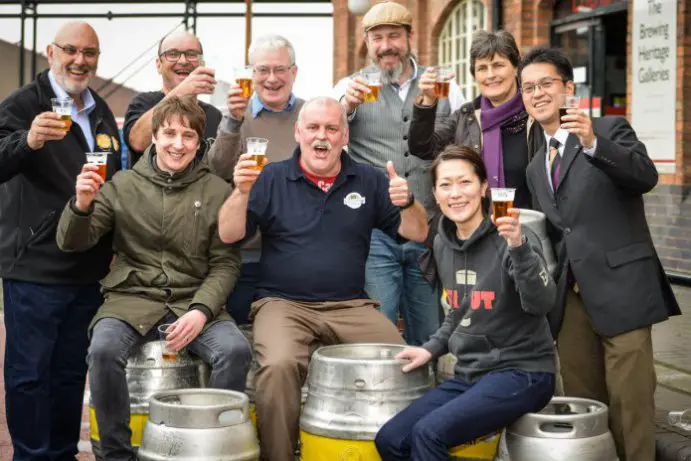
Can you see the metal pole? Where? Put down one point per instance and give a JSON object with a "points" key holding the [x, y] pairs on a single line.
{"points": [[248, 30], [33, 48], [22, 15]]}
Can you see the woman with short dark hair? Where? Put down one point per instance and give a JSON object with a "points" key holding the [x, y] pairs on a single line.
{"points": [[494, 124], [499, 291]]}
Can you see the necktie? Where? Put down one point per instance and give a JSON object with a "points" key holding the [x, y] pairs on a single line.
{"points": [[554, 161]]}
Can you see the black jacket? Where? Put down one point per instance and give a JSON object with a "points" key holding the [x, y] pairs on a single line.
{"points": [[36, 185]]}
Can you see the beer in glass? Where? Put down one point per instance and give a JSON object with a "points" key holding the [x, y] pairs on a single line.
{"points": [[63, 107], [243, 76], [167, 353], [502, 200], [567, 101], [256, 147], [100, 159], [442, 83], [373, 80]]}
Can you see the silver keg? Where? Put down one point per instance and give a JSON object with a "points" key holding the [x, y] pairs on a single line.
{"points": [[199, 425], [355, 388], [568, 428], [148, 373], [537, 222]]}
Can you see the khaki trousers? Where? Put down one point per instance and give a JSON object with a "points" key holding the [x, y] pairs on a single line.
{"points": [[285, 334], [617, 371]]}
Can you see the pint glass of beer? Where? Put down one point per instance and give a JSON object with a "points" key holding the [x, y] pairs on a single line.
{"points": [[256, 147], [63, 107], [99, 159], [502, 200], [373, 79], [566, 102], [166, 352], [443, 82], [243, 76]]}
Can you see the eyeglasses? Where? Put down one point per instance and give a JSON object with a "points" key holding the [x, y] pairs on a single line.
{"points": [[545, 84], [175, 55], [88, 53], [265, 71]]}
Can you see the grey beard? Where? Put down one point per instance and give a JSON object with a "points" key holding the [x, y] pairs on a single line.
{"points": [[389, 76]]}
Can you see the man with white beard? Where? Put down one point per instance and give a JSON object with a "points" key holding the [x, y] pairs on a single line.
{"points": [[50, 297], [379, 133]]}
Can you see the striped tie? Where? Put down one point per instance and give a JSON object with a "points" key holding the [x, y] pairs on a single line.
{"points": [[554, 161]]}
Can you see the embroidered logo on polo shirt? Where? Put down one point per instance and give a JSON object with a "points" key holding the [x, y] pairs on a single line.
{"points": [[354, 200]]}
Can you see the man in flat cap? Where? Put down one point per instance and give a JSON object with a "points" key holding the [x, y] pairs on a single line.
{"points": [[379, 133]]}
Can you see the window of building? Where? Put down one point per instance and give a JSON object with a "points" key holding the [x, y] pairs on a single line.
{"points": [[455, 39]]}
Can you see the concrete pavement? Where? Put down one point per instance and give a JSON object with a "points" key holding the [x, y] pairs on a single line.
{"points": [[671, 342]]}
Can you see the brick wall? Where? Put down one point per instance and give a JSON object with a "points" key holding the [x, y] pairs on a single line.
{"points": [[668, 208]]}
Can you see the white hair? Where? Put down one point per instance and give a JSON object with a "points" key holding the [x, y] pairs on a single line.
{"points": [[324, 101], [271, 43]]}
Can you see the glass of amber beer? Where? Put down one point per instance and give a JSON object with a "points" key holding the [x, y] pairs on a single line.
{"points": [[256, 147], [373, 81], [442, 82], [166, 352], [243, 77], [502, 200], [63, 107], [100, 159]]}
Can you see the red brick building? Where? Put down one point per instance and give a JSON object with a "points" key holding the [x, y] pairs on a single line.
{"points": [[630, 58]]}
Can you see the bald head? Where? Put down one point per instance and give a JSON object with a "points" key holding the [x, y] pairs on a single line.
{"points": [[181, 40], [76, 30]]}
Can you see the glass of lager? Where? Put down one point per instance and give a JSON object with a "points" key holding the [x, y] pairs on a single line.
{"points": [[166, 352], [243, 76], [502, 200], [99, 159], [63, 107], [442, 82], [373, 80], [256, 147]]}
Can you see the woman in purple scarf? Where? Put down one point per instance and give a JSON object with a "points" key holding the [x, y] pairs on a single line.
{"points": [[495, 124]]}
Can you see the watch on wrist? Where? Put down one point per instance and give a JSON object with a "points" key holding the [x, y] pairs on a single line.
{"points": [[411, 201]]}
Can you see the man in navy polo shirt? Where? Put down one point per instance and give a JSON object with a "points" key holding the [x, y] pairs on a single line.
{"points": [[316, 212]]}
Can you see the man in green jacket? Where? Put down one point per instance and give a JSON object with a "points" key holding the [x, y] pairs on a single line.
{"points": [[170, 265]]}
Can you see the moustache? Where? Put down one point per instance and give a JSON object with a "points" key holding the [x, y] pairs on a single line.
{"points": [[391, 52], [321, 145], [79, 68]]}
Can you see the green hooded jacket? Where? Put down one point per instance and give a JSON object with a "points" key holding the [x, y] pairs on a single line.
{"points": [[168, 254]]}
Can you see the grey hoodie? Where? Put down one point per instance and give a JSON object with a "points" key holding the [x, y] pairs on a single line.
{"points": [[499, 297]]}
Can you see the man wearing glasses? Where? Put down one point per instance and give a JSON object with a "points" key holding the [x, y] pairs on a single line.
{"points": [[270, 113], [588, 176], [50, 297], [181, 65]]}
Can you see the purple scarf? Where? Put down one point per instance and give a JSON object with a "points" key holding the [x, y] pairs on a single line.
{"points": [[491, 119]]}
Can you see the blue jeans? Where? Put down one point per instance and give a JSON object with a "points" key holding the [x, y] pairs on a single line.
{"points": [[393, 277], [242, 296], [222, 346], [45, 367], [457, 412]]}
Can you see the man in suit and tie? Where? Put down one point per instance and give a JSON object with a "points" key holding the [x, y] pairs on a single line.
{"points": [[588, 176]]}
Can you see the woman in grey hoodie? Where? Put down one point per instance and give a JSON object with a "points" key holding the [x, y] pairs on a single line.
{"points": [[496, 281]]}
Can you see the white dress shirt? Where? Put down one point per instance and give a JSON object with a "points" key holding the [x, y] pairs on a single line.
{"points": [[562, 135]]}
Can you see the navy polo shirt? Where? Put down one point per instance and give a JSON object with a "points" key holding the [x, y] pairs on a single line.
{"points": [[315, 244]]}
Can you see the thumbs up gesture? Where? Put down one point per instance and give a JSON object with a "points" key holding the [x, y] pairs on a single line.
{"points": [[398, 187]]}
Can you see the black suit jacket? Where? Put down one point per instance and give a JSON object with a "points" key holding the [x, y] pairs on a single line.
{"points": [[597, 225]]}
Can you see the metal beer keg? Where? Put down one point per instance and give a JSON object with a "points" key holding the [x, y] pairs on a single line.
{"points": [[537, 222], [199, 425], [147, 373], [568, 428], [353, 390]]}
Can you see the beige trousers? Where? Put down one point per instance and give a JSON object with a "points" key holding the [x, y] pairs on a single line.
{"points": [[285, 335], [617, 371]]}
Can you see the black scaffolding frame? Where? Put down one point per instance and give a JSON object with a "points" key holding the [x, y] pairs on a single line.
{"points": [[29, 12]]}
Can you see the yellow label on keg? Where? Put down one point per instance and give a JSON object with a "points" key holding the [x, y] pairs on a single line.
{"points": [[318, 448], [137, 423]]}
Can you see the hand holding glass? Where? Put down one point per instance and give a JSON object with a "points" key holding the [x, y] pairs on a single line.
{"points": [[256, 147], [166, 352], [243, 76], [99, 159], [567, 101], [442, 84], [63, 107], [373, 81], [502, 200]]}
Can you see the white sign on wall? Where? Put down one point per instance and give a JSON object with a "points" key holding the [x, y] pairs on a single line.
{"points": [[654, 79]]}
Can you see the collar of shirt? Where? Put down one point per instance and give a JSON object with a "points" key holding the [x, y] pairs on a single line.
{"points": [[258, 106], [295, 171], [562, 135], [87, 97]]}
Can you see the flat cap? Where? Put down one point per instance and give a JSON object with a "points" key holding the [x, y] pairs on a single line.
{"points": [[387, 14]]}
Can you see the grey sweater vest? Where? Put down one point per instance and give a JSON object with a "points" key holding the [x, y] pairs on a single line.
{"points": [[379, 133]]}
